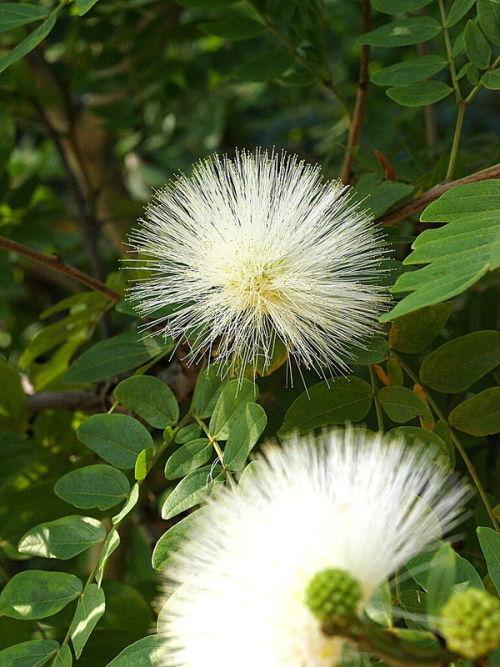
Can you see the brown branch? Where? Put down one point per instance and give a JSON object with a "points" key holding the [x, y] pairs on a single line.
{"points": [[57, 264], [431, 195], [64, 400], [360, 104]]}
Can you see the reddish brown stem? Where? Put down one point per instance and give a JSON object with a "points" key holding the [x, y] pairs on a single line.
{"points": [[57, 264], [360, 104], [431, 195]]}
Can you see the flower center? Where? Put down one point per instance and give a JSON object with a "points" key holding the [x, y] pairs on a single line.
{"points": [[256, 285]]}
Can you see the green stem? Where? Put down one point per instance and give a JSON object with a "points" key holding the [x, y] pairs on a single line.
{"points": [[460, 448], [378, 409], [449, 52], [217, 449], [461, 104], [456, 140]]}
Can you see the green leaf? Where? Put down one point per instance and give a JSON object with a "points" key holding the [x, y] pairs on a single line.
{"points": [[472, 73], [34, 594], [427, 92], [207, 390], [243, 436], [343, 399], [230, 405], [490, 546], [400, 404], [150, 398], [14, 14], [147, 652], [117, 439], [28, 43], [191, 491], [488, 14], [62, 538], [12, 399], [63, 657], [458, 253], [375, 352], [187, 458], [90, 608], [403, 32], [413, 435], [456, 365], [379, 607], [409, 71], [440, 579], [143, 463], [457, 11], [491, 79], [476, 45], [398, 6], [129, 505], [83, 6], [379, 195], [478, 415], [188, 433], [467, 573], [112, 356], [110, 545], [414, 332], [34, 653], [98, 486], [169, 542]]}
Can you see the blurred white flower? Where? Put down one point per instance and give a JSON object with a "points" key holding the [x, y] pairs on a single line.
{"points": [[341, 500], [260, 248]]}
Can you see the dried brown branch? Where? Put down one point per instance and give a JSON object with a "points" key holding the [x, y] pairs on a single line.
{"points": [[57, 264], [434, 193], [360, 104]]}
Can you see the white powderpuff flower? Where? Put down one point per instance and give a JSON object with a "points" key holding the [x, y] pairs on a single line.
{"points": [[339, 500], [260, 248]]}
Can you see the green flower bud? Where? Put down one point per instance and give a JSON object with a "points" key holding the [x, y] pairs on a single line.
{"points": [[333, 596], [471, 623]]}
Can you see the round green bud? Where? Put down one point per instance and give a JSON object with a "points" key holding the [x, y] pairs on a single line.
{"points": [[471, 623], [333, 595]]}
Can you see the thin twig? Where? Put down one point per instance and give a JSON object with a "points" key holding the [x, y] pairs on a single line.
{"points": [[378, 409], [57, 264], [456, 441], [88, 222], [358, 117], [434, 193]]}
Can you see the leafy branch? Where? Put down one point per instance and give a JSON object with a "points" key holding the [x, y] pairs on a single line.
{"points": [[58, 264], [462, 102]]}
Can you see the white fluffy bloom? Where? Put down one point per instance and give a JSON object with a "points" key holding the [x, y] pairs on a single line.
{"points": [[340, 500], [260, 248]]}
